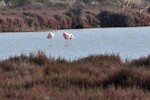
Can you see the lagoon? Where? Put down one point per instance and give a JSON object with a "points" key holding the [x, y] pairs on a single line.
{"points": [[129, 43]]}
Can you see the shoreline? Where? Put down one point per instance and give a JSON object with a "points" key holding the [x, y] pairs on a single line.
{"points": [[122, 59], [49, 30]]}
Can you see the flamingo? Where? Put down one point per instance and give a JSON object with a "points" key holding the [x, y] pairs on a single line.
{"points": [[50, 36], [71, 36], [68, 37]]}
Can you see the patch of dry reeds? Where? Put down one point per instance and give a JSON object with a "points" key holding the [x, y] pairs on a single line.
{"points": [[94, 77]]}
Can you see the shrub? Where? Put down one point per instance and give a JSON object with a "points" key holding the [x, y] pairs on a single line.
{"points": [[112, 19], [97, 76]]}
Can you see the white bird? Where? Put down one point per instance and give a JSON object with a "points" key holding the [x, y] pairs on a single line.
{"points": [[68, 37], [50, 36]]}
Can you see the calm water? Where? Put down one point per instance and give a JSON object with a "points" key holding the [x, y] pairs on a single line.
{"points": [[129, 43]]}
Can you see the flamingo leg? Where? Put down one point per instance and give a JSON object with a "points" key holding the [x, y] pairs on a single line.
{"points": [[50, 42], [70, 42], [67, 42]]}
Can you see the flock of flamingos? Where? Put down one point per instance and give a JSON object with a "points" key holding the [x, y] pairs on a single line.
{"points": [[67, 36]]}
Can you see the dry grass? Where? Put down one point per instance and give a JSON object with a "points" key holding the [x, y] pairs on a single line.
{"points": [[95, 77], [37, 18], [43, 18]]}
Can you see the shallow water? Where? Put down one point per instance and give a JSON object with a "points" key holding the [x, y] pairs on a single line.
{"points": [[129, 43]]}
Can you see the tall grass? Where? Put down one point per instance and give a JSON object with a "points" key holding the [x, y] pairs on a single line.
{"points": [[94, 77]]}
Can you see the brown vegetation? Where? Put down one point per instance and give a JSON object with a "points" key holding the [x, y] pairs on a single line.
{"points": [[37, 18], [59, 17], [95, 77]]}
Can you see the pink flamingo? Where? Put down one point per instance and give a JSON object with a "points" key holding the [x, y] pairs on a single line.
{"points": [[68, 37], [50, 36]]}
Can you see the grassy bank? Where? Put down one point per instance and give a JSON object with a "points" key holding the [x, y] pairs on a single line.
{"points": [[48, 14], [105, 77]]}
